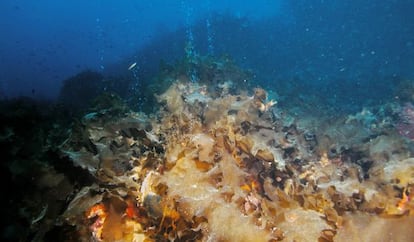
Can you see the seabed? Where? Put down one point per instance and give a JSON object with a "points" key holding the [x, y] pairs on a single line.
{"points": [[220, 161]]}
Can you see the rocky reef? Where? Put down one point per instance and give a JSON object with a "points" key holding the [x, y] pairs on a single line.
{"points": [[221, 161]]}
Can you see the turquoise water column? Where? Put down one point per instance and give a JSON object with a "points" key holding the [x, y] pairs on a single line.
{"points": [[190, 53], [101, 43], [210, 36], [136, 87]]}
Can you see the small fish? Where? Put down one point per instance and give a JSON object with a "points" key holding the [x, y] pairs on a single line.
{"points": [[41, 215], [132, 66]]}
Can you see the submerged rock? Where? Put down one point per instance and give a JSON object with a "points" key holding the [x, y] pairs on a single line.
{"points": [[219, 162]]}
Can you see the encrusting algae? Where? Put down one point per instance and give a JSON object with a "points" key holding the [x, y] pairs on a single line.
{"points": [[220, 165]]}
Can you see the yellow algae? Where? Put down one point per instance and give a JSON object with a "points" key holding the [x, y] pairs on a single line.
{"points": [[226, 169]]}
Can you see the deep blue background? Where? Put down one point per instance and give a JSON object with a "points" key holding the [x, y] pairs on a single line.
{"points": [[43, 42], [355, 48]]}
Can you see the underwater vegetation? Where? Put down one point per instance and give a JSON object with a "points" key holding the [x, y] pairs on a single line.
{"points": [[216, 159], [406, 124]]}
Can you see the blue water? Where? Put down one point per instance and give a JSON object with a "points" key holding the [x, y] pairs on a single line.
{"points": [[341, 71], [350, 52]]}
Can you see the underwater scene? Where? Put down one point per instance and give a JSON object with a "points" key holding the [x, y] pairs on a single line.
{"points": [[182, 120]]}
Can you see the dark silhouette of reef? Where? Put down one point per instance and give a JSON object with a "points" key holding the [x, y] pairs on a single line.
{"points": [[31, 131]]}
